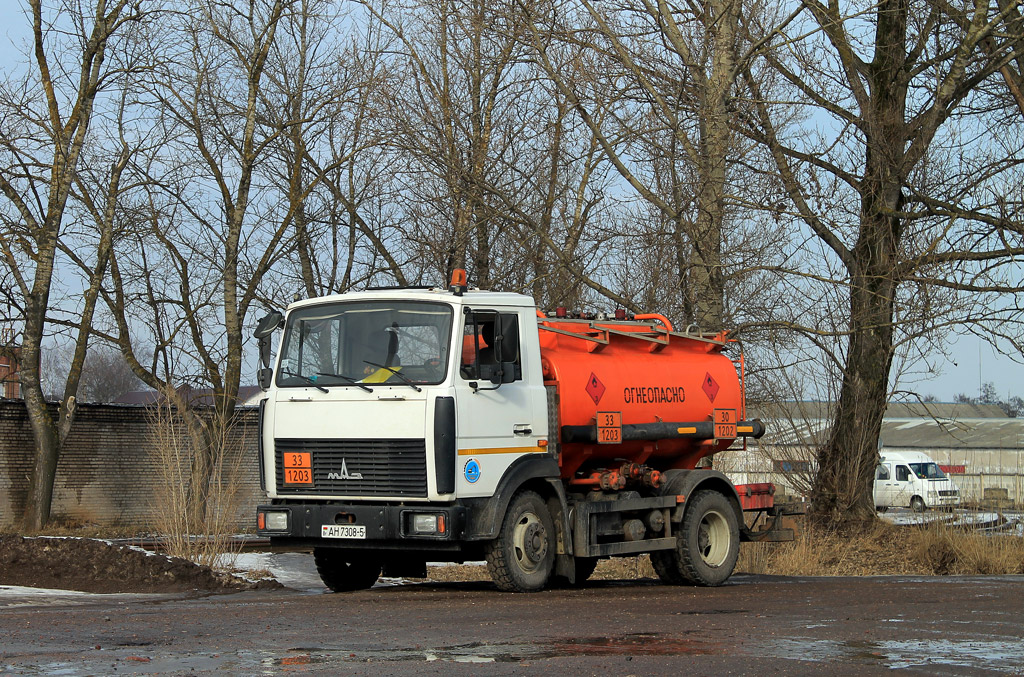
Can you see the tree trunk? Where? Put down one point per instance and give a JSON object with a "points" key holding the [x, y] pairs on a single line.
{"points": [[46, 446], [847, 463], [843, 486], [705, 282]]}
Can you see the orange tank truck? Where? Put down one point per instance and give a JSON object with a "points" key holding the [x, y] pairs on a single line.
{"points": [[414, 425], [659, 389]]}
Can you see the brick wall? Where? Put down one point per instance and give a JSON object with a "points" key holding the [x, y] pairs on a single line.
{"points": [[110, 470]]}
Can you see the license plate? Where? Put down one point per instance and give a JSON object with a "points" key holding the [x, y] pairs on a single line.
{"points": [[343, 531]]}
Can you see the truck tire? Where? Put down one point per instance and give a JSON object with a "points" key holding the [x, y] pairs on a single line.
{"points": [[707, 545], [342, 573], [917, 504], [522, 557]]}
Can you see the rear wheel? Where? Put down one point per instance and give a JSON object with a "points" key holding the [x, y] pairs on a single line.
{"points": [[522, 557], [341, 572], [707, 545]]}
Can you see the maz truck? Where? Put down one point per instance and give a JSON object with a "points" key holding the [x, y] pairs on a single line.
{"points": [[406, 426]]}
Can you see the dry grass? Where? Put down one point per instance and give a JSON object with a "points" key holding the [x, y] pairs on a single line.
{"points": [[885, 549], [624, 568], [937, 549], [196, 506]]}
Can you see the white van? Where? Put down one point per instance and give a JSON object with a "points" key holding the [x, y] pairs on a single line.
{"points": [[912, 479]]}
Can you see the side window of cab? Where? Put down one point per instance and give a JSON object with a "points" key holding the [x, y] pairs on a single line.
{"points": [[902, 473], [490, 347]]}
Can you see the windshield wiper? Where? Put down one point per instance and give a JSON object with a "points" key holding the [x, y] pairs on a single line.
{"points": [[347, 380], [398, 374], [307, 379]]}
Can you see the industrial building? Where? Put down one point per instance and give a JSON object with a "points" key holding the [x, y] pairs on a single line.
{"points": [[978, 445]]}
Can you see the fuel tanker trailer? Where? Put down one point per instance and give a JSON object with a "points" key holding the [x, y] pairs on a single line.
{"points": [[406, 426]]}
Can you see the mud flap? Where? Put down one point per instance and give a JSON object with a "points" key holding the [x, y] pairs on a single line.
{"points": [[565, 565]]}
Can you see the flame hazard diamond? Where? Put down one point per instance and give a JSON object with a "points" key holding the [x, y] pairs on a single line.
{"points": [[710, 387], [595, 388]]}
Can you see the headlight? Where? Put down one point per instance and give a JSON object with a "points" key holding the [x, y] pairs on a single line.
{"points": [[277, 521], [428, 524]]}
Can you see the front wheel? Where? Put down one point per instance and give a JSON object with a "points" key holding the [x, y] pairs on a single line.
{"points": [[341, 572], [707, 545], [917, 504], [522, 557]]}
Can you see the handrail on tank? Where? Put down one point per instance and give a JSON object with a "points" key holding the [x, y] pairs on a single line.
{"points": [[599, 332], [600, 337], [655, 316]]}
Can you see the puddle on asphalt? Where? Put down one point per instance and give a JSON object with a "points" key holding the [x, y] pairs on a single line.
{"points": [[637, 644], [997, 656], [136, 660], [1002, 656]]}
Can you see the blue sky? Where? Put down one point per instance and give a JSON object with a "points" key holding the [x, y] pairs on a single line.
{"points": [[962, 375]]}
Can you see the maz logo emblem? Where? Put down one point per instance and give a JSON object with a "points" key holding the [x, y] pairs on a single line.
{"points": [[344, 474]]}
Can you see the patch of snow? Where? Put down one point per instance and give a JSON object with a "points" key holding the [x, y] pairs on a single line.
{"points": [[14, 596]]}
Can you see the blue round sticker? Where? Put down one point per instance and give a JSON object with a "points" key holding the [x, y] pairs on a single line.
{"points": [[472, 471]]}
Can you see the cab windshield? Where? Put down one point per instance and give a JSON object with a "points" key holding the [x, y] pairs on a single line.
{"points": [[928, 471], [366, 342]]}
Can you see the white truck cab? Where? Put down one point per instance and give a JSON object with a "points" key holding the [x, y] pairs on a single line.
{"points": [[912, 479]]}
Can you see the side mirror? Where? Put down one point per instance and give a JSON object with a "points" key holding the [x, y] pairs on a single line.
{"points": [[265, 377], [266, 326], [491, 373], [264, 329]]}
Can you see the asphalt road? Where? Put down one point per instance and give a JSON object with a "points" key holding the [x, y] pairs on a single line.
{"points": [[753, 625]]}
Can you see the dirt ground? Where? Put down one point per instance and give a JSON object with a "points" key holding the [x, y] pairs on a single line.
{"points": [[91, 565], [753, 625]]}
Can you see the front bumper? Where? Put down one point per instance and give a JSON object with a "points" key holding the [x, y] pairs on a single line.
{"points": [[386, 526]]}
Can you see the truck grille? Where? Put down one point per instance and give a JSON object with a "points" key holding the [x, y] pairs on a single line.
{"points": [[386, 467], [948, 492]]}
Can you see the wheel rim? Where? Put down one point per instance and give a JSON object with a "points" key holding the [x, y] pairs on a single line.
{"points": [[713, 538], [529, 542]]}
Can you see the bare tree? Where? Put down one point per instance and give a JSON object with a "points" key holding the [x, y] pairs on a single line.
{"points": [[49, 119], [666, 81], [208, 227], [105, 377], [460, 103], [903, 185], [325, 87]]}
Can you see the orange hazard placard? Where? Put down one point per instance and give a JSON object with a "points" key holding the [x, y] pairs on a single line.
{"points": [[298, 468], [609, 427], [725, 424]]}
